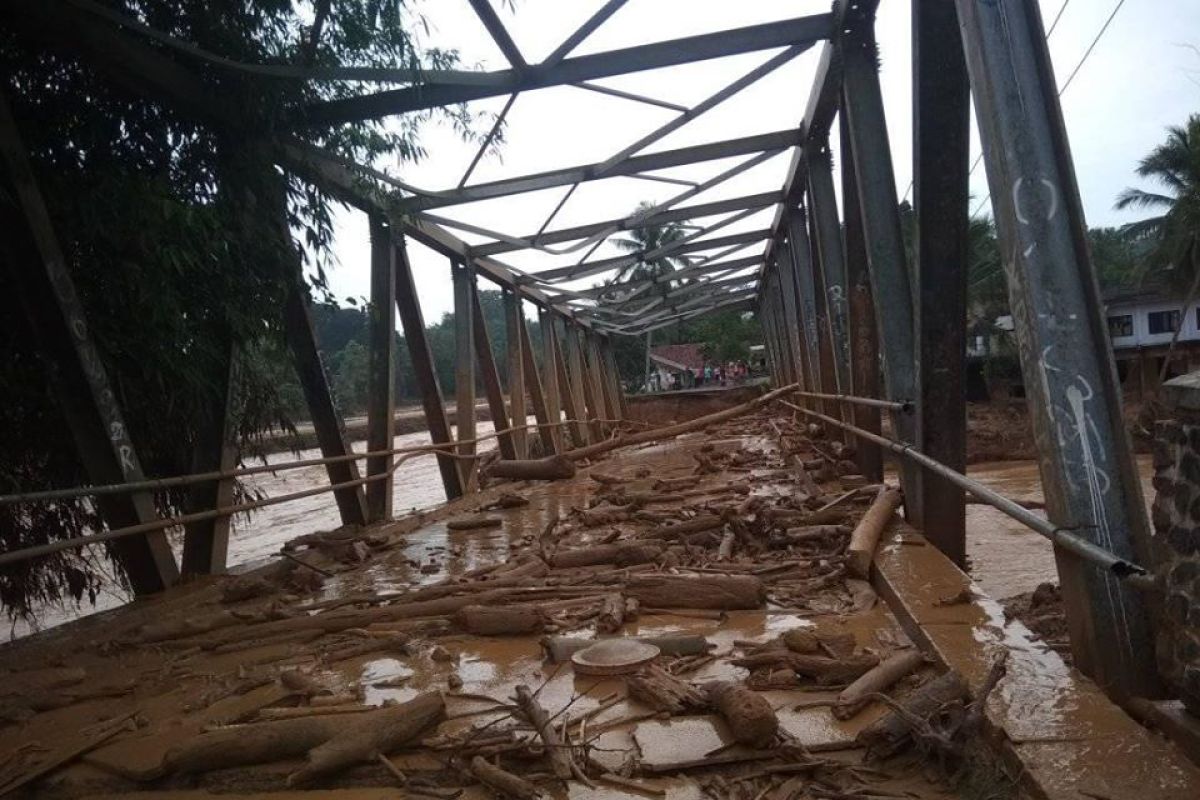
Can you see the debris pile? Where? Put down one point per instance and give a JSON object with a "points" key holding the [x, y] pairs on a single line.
{"points": [[754, 553]]}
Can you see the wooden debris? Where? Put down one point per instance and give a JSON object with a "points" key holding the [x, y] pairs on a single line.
{"points": [[499, 620], [750, 718], [724, 592], [476, 522], [888, 734], [365, 736], [865, 538], [551, 468], [621, 554], [612, 614], [857, 696], [662, 691], [825, 670], [532, 711], [503, 781], [377, 730]]}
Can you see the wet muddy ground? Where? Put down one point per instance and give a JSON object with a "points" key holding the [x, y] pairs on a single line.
{"points": [[93, 708]]}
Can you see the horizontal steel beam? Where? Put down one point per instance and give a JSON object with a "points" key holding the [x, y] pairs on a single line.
{"points": [[634, 223], [686, 50], [603, 265], [687, 273], [776, 140]]}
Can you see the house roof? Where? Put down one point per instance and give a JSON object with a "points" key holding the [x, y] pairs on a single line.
{"points": [[678, 356]]}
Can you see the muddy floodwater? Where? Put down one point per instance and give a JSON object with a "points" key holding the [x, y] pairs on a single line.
{"points": [[1006, 558]]}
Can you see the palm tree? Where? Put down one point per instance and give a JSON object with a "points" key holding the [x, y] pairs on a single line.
{"points": [[1174, 235], [646, 240]]}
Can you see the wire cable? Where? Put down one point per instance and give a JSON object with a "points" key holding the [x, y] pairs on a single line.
{"points": [[1066, 84], [1049, 33]]}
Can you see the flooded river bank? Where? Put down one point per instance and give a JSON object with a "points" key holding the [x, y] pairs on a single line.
{"points": [[1006, 558]]}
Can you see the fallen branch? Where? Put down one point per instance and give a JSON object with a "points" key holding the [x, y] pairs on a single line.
{"points": [[503, 781], [857, 696], [532, 711]]}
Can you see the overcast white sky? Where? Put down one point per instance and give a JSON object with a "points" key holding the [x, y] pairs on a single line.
{"points": [[1141, 78]]}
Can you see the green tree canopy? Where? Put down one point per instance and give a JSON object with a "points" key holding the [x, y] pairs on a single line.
{"points": [[1173, 233], [179, 235]]}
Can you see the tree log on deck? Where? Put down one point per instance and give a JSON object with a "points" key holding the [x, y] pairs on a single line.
{"points": [[865, 538], [823, 669], [857, 696], [332, 742], [531, 709], [551, 468], [365, 736], [513, 620], [721, 592], [888, 734], [622, 554], [748, 714]]}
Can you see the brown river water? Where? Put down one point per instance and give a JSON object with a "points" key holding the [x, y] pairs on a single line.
{"points": [[1006, 558]]}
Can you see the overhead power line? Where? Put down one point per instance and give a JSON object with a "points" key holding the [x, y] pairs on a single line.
{"points": [[1067, 83]]}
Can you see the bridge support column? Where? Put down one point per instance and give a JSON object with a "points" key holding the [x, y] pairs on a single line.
{"points": [[785, 268], [800, 249], [557, 389], [830, 259], [582, 379], [464, 370], [886, 259], [206, 542], [486, 359], [941, 194], [432, 399], [381, 404], [538, 393], [568, 380], [614, 377], [76, 373], [1088, 472], [514, 322], [864, 344]]}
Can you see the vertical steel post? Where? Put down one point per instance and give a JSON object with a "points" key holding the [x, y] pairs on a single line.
{"points": [[568, 389], [301, 336], [604, 397], [789, 320], [538, 395], [77, 373], [463, 278], [830, 259], [801, 252], [880, 211], [941, 194], [432, 399], [826, 360], [514, 321], [768, 325], [326, 421], [864, 345], [785, 268], [552, 370], [206, 542], [381, 404], [779, 375], [615, 377], [585, 380], [1088, 472], [490, 374]]}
